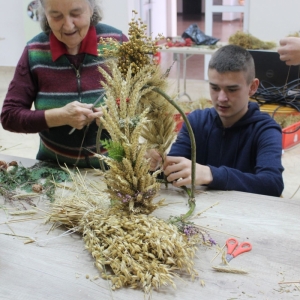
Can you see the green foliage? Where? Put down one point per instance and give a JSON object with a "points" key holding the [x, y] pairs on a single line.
{"points": [[133, 122], [41, 173], [114, 149]]}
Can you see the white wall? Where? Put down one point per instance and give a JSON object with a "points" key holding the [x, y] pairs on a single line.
{"points": [[16, 28], [229, 16], [118, 13], [271, 20], [171, 11], [164, 15]]}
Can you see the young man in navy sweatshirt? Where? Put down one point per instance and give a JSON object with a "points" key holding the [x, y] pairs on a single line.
{"points": [[237, 146]]}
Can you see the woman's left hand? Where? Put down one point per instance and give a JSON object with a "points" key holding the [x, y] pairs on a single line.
{"points": [[96, 114]]}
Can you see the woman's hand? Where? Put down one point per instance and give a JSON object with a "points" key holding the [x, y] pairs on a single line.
{"points": [[289, 50], [155, 159], [179, 171], [96, 114], [75, 114]]}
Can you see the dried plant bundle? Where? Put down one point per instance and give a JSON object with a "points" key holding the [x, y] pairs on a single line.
{"points": [[130, 247], [138, 251], [132, 112], [128, 179], [248, 41]]}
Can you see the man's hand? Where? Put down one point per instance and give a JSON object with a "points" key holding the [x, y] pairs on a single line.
{"points": [[179, 171], [289, 50]]}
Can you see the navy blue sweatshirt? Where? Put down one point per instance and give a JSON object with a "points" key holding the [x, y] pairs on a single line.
{"points": [[245, 157]]}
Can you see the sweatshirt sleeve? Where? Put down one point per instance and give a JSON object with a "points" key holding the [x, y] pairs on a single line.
{"points": [[267, 178], [17, 114]]}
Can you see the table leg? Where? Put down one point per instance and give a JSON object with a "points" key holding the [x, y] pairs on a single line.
{"points": [[185, 57], [177, 58]]}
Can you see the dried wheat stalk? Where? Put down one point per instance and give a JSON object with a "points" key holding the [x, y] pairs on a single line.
{"points": [[128, 179]]}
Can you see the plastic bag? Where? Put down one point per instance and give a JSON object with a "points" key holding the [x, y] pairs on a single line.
{"points": [[198, 36]]}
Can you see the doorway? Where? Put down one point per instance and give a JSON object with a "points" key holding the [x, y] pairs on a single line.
{"points": [[191, 7]]}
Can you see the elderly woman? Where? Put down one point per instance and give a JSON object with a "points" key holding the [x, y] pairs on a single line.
{"points": [[57, 73]]}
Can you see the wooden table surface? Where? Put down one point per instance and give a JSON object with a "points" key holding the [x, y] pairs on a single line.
{"points": [[58, 267]]}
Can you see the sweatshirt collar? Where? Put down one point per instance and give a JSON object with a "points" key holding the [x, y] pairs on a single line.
{"points": [[88, 45]]}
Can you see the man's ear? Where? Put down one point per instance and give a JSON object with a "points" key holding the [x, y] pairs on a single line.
{"points": [[254, 86]]}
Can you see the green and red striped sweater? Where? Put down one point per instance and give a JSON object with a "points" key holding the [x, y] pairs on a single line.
{"points": [[49, 78]]}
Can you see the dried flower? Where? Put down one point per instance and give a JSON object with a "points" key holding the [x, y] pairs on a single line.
{"points": [[136, 53], [38, 188]]}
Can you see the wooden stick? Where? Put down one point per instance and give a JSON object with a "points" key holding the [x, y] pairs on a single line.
{"points": [[10, 228], [23, 212], [288, 282], [26, 195], [218, 253], [218, 231], [201, 212], [22, 220], [16, 235]]}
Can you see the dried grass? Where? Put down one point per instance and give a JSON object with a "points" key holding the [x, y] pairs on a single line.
{"points": [[137, 251], [286, 120], [249, 41]]}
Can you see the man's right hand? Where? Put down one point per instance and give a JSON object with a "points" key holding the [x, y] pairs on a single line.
{"points": [[179, 171]]}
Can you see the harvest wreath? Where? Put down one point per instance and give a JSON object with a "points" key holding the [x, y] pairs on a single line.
{"points": [[130, 247]]}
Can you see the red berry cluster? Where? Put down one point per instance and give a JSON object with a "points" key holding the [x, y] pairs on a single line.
{"points": [[118, 101], [187, 43]]}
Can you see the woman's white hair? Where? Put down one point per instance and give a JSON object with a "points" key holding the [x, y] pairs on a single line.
{"points": [[95, 19]]}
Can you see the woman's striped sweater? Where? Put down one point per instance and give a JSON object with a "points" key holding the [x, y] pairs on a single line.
{"points": [[58, 81]]}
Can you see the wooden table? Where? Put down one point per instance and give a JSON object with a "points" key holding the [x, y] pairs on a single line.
{"points": [[58, 267]]}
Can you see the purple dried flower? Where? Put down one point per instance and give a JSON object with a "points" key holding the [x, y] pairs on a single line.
{"points": [[190, 230], [212, 241]]}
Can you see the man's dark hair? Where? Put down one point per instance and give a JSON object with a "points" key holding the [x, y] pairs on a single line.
{"points": [[233, 58]]}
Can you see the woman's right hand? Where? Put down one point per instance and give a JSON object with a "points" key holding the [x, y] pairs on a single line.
{"points": [[75, 114]]}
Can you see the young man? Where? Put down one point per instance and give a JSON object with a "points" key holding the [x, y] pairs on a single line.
{"points": [[238, 147]]}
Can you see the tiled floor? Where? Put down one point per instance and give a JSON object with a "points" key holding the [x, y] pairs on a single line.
{"points": [[26, 145]]}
